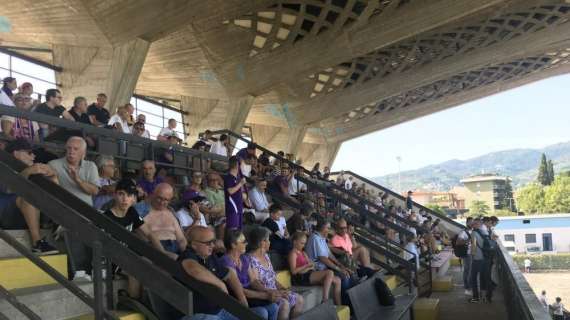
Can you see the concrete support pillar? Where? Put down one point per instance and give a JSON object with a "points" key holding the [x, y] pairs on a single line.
{"points": [[126, 66], [88, 71], [330, 153], [265, 135], [295, 139], [199, 109], [237, 114]]}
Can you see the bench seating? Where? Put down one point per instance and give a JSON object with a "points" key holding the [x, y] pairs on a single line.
{"points": [[365, 304]]}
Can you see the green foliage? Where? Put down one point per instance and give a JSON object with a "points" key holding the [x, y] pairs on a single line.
{"points": [[544, 261], [478, 207], [504, 213], [530, 199], [550, 171], [545, 171], [436, 208], [557, 195]]}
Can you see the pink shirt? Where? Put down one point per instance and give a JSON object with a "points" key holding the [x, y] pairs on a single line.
{"points": [[343, 242]]}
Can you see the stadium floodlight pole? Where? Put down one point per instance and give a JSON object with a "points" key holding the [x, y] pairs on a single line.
{"points": [[399, 159]]}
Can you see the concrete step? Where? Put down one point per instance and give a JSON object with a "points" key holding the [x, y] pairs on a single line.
{"points": [[426, 309], [22, 273], [23, 237], [123, 315], [54, 302], [442, 284]]}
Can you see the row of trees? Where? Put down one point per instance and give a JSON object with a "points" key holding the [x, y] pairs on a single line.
{"points": [[545, 171], [536, 198]]}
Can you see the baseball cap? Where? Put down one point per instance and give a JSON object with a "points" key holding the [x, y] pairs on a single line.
{"points": [[127, 185], [17, 145]]}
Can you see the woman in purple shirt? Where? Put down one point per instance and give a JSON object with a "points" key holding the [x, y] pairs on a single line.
{"points": [[235, 258], [233, 184]]}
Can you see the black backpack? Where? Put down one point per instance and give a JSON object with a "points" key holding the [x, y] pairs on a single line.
{"points": [[489, 245], [385, 296], [460, 250]]}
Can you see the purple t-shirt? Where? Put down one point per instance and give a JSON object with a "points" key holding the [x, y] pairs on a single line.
{"points": [[280, 182], [148, 186], [242, 153], [234, 202], [242, 273]]}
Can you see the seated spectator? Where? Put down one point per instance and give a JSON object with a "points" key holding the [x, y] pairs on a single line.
{"points": [[276, 223], [295, 186], [17, 213], [80, 178], [195, 187], [27, 89], [167, 132], [247, 151], [236, 259], [280, 183], [300, 220], [21, 128], [290, 303], [198, 262], [343, 243], [216, 202], [119, 121], [106, 166], [220, 147], [303, 270], [142, 119], [52, 107], [208, 139], [78, 112], [259, 200], [77, 175], [326, 173], [233, 184], [163, 223], [9, 84], [149, 179], [315, 172], [97, 112], [140, 131], [189, 215], [247, 166], [125, 215]]}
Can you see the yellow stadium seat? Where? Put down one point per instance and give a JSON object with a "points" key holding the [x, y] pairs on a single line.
{"points": [[343, 312], [284, 278], [20, 273], [442, 284], [426, 309]]}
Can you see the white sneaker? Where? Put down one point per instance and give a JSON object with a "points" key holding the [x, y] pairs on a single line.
{"points": [[80, 275], [468, 292]]}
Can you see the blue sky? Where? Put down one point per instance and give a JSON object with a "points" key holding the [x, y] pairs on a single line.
{"points": [[531, 116]]}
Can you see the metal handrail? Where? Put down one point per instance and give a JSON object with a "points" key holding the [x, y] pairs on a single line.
{"points": [[91, 227]]}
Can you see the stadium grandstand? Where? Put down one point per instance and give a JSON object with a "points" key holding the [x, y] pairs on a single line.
{"points": [[171, 159]]}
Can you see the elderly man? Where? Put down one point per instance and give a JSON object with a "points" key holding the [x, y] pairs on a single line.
{"points": [[163, 223], [343, 243], [17, 213], [259, 200], [215, 196], [77, 175], [149, 179], [97, 113], [199, 263]]}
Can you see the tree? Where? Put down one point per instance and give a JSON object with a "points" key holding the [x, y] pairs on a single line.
{"points": [[508, 202], [557, 196], [478, 207], [550, 172], [436, 208], [530, 199], [543, 176]]}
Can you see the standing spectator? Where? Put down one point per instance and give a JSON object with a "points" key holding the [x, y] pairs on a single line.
{"points": [[149, 179], [543, 300], [348, 183], [558, 309], [233, 184], [97, 112], [220, 147], [244, 152], [527, 264], [17, 213], [106, 167], [52, 107], [290, 303], [142, 119], [409, 201], [303, 271], [412, 251], [119, 121], [7, 91], [478, 270], [276, 223], [163, 223], [21, 128], [77, 175], [215, 196], [167, 132], [464, 239], [259, 200]]}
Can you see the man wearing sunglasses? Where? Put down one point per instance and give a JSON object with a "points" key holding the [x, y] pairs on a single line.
{"points": [[198, 262]]}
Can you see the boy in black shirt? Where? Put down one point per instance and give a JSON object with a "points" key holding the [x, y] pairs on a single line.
{"points": [[279, 239], [123, 213]]}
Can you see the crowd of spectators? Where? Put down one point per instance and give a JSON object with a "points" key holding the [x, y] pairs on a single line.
{"points": [[226, 229]]}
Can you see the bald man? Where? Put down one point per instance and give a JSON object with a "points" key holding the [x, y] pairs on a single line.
{"points": [[198, 262], [162, 222]]}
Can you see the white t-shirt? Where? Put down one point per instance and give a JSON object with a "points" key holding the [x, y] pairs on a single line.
{"points": [[558, 308], [167, 132], [219, 148], [544, 301], [186, 220], [348, 184], [464, 236], [117, 119], [293, 190], [527, 263], [412, 248], [5, 99], [282, 223]]}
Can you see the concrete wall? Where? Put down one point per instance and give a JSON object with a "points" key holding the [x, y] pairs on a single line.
{"points": [[560, 238]]}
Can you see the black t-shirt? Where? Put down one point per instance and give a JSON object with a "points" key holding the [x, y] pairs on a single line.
{"points": [[101, 114], [55, 112], [273, 227], [83, 118], [201, 304], [131, 221]]}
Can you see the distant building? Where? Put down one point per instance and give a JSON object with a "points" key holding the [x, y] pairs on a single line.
{"points": [[492, 189], [446, 200]]}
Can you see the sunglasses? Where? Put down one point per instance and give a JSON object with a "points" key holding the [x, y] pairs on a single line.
{"points": [[208, 243]]}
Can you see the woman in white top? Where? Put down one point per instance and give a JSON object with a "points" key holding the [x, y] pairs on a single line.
{"points": [[189, 215], [120, 120]]}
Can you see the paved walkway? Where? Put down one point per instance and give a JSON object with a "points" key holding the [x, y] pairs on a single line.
{"points": [[454, 305]]}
